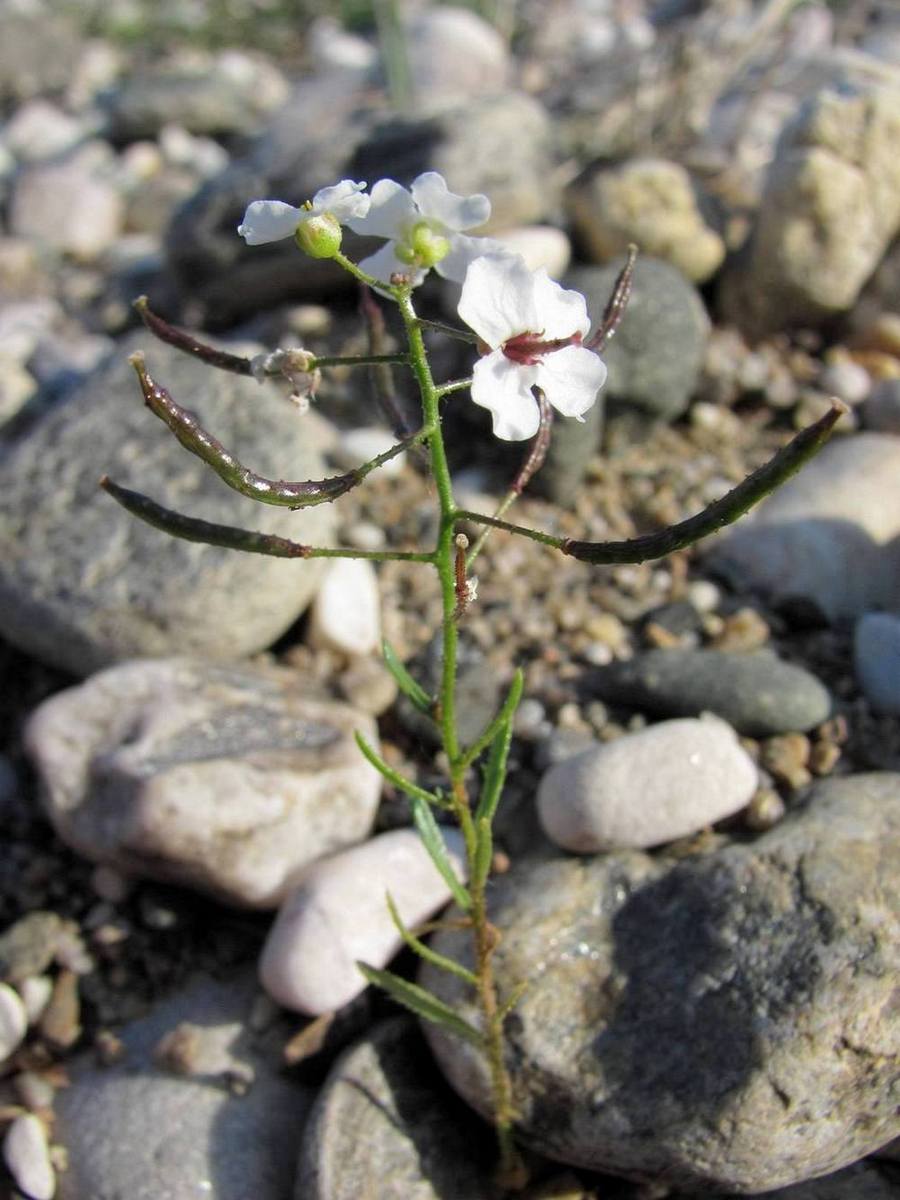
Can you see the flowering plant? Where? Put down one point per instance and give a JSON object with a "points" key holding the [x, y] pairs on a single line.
{"points": [[536, 358]]}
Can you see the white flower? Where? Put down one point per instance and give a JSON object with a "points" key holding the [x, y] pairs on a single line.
{"points": [[533, 329], [272, 220], [416, 222]]}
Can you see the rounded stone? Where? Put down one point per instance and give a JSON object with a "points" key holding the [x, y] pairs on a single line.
{"points": [[13, 1021], [227, 779], [27, 1156], [83, 583], [646, 788], [876, 660], [338, 916], [716, 1022], [756, 692], [346, 612]]}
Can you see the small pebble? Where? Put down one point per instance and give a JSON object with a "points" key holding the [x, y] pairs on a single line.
{"points": [[824, 757], [846, 380], [111, 885], [60, 1022], [650, 787], [765, 809], [13, 1021], [35, 1091], [35, 991], [704, 595], [786, 757], [369, 686], [880, 411], [28, 947], [743, 630], [27, 1156], [346, 612], [337, 916]]}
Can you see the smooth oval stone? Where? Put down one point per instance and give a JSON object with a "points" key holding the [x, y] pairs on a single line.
{"points": [[876, 660], [338, 916], [13, 1021], [757, 693], [646, 788], [27, 1155], [385, 1124], [226, 779], [346, 612], [719, 1022]]}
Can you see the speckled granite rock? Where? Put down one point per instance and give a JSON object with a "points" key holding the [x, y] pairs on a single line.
{"points": [[83, 583], [720, 1021]]}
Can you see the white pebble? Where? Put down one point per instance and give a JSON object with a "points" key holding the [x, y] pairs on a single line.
{"points": [[35, 992], [358, 446], [338, 916], [13, 1021], [27, 1156], [650, 787], [346, 613]]}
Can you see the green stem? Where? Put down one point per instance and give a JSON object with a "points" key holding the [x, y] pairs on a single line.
{"points": [[455, 385], [485, 936], [357, 360], [462, 335]]}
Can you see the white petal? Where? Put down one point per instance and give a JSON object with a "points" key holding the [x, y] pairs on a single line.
{"points": [[343, 200], [561, 312], [391, 211], [452, 212], [269, 221], [463, 252], [571, 379], [497, 299], [384, 263], [504, 388]]}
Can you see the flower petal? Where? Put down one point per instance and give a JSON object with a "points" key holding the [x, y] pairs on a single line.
{"points": [[571, 378], [343, 200], [561, 313], [452, 212], [463, 252], [269, 221], [391, 211], [384, 263], [497, 299], [504, 388]]}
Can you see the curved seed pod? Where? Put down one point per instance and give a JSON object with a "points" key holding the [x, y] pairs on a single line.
{"points": [[184, 341], [734, 504], [195, 438]]}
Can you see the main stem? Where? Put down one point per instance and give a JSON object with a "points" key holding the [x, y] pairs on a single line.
{"points": [[484, 934]]}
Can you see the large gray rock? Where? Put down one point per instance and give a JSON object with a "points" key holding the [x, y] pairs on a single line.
{"points": [[824, 537], [227, 1127], [829, 210], [656, 356], [500, 145], [720, 1021], [223, 778], [83, 583], [386, 1125]]}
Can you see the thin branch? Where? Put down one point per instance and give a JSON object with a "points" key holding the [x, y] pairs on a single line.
{"points": [[454, 385], [195, 438], [192, 529], [462, 335], [382, 376]]}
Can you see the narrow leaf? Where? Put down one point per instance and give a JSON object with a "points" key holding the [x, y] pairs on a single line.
{"points": [[430, 833], [512, 999], [422, 1003], [415, 793], [494, 774], [484, 853], [412, 690], [424, 951], [506, 713]]}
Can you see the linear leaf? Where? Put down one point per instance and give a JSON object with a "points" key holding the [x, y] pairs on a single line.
{"points": [[424, 951], [411, 789], [422, 1003], [494, 774], [412, 690], [506, 713], [430, 833]]}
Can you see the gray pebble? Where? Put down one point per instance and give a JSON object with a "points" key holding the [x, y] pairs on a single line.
{"points": [[876, 660]]}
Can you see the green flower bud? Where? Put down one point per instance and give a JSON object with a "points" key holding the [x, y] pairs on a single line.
{"points": [[319, 236]]}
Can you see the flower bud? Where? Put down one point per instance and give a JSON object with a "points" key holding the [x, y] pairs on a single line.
{"points": [[319, 236]]}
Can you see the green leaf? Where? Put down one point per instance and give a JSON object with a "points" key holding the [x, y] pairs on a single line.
{"points": [[413, 691], [422, 1003], [506, 713], [411, 789], [430, 833], [494, 774], [484, 852], [432, 956], [512, 999]]}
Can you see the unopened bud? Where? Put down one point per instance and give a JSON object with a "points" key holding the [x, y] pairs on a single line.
{"points": [[319, 236]]}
